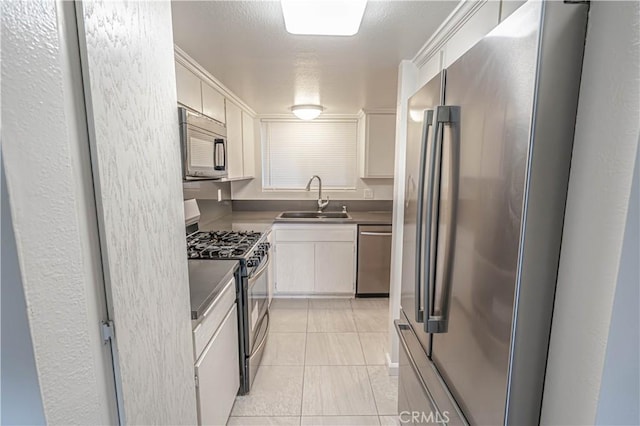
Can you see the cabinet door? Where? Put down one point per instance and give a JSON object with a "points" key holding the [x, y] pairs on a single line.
{"points": [[248, 144], [234, 140], [213, 104], [271, 269], [334, 267], [294, 267], [380, 145], [218, 373], [188, 88]]}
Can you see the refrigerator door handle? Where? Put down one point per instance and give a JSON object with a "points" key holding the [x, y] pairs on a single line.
{"points": [[428, 120], [450, 115]]}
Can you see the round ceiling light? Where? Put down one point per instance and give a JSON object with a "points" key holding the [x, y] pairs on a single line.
{"points": [[307, 112]]}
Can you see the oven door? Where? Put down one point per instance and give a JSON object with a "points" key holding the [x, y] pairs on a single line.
{"points": [[257, 315], [205, 154]]}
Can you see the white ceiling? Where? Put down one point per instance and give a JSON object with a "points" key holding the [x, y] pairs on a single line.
{"points": [[245, 45]]}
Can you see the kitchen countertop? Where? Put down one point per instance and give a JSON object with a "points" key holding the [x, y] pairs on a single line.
{"points": [[207, 279], [261, 221]]}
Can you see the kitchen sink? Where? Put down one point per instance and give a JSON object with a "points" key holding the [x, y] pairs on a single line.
{"points": [[314, 215]]}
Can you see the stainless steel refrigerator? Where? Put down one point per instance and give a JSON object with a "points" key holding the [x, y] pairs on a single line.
{"points": [[488, 156]]}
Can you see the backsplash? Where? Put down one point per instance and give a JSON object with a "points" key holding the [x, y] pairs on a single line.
{"points": [[206, 190], [306, 205], [211, 210]]}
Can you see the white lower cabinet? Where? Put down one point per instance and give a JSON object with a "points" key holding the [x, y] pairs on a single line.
{"points": [[334, 267], [294, 267], [218, 373], [315, 259]]}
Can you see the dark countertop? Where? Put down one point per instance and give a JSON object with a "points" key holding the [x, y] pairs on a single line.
{"points": [[207, 279], [261, 221]]}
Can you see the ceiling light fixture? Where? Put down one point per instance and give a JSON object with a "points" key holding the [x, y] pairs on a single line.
{"points": [[323, 17], [307, 112]]}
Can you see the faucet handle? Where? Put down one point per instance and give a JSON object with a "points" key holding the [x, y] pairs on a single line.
{"points": [[344, 209], [322, 204]]}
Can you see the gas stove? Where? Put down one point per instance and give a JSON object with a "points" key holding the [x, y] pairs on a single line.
{"points": [[251, 250], [222, 244]]}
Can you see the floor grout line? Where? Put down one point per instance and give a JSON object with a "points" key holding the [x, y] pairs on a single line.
{"points": [[373, 395], [304, 364], [350, 311]]}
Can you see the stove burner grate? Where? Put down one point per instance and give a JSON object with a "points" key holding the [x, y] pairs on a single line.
{"points": [[220, 244]]}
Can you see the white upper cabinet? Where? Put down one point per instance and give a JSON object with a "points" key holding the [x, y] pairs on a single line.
{"points": [[213, 103], [248, 144], [201, 92], [379, 145], [188, 88], [234, 141]]}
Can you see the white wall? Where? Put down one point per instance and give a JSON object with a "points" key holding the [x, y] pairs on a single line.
{"points": [[129, 77], [619, 401], [45, 154], [607, 131], [407, 81], [21, 400]]}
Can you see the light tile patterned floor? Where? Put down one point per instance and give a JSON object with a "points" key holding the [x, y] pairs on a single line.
{"points": [[324, 364]]}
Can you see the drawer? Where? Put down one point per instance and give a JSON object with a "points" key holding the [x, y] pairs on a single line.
{"points": [[213, 317], [317, 234], [218, 373]]}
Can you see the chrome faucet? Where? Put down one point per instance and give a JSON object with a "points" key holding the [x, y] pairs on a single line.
{"points": [[321, 203]]}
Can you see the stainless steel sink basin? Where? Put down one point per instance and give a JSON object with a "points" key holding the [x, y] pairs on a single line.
{"points": [[314, 215]]}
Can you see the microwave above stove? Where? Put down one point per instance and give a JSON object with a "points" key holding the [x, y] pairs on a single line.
{"points": [[204, 146]]}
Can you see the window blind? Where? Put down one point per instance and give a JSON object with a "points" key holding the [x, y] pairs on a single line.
{"points": [[295, 151]]}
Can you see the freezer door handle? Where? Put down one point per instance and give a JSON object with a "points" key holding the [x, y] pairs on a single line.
{"points": [[449, 115], [428, 120]]}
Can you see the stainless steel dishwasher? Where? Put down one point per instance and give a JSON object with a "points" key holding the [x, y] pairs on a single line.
{"points": [[374, 260]]}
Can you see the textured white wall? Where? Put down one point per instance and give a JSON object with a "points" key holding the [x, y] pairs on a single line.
{"points": [[127, 52], [607, 130], [43, 147]]}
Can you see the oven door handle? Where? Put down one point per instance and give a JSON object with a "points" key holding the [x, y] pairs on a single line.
{"points": [[260, 271], [264, 337]]}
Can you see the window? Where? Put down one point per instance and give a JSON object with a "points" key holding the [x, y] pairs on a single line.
{"points": [[296, 150]]}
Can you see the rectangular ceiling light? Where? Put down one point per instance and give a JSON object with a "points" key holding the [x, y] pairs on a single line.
{"points": [[323, 17]]}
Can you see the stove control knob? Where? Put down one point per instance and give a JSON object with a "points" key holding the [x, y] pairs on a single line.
{"points": [[253, 261]]}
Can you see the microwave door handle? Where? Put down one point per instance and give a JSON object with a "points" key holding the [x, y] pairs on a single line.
{"points": [[217, 152]]}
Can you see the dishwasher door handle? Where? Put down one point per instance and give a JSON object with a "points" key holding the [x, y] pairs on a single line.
{"points": [[377, 234]]}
